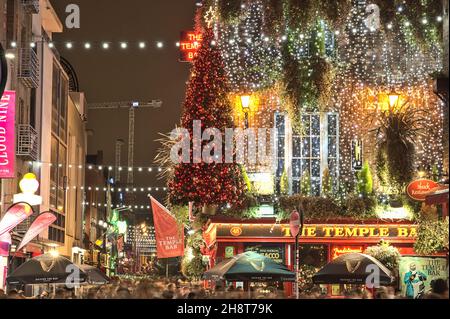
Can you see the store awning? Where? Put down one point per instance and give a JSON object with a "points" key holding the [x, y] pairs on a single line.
{"points": [[250, 266]]}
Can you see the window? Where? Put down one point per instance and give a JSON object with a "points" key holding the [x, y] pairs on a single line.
{"points": [[315, 149], [280, 127], [333, 148], [58, 169], [306, 154], [59, 103]]}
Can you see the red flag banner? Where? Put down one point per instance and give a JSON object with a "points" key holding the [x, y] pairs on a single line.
{"points": [[39, 224], [169, 236], [16, 214]]}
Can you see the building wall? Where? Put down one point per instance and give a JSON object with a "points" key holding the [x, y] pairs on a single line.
{"points": [[19, 31], [446, 62], [39, 28], [75, 182]]}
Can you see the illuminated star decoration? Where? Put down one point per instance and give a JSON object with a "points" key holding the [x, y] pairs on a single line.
{"points": [[210, 16]]}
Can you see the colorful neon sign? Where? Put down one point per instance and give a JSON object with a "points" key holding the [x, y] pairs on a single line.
{"points": [[338, 251], [190, 43]]}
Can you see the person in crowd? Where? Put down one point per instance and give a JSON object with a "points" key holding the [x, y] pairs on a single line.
{"points": [[123, 293], [14, 294], [439, 290], [168, 294]]}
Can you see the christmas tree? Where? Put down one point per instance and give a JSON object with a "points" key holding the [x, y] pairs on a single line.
{"points": [[207, 184]]}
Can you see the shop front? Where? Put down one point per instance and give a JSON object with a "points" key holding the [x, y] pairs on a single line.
{"points": [[320, 242]]}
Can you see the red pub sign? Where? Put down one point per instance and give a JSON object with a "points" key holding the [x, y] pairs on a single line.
{"points": [[190, 42], [419, 189]]}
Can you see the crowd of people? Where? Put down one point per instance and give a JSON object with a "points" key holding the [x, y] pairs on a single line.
{"points": [[124, 288]]}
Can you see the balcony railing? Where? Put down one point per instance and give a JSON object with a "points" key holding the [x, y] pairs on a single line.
{"points": [[31, 6], [27, 142], [29, 68]]}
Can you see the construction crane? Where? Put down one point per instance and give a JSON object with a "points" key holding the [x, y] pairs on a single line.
{"points": [[132, 106], [119, 144]]}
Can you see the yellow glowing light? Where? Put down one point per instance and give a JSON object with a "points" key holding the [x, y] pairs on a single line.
{"points": [[54, 253], [421, 173], [393, 100], [29, 184], [245, 101]]}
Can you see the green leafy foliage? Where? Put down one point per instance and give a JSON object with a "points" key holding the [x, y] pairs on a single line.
{"points": [[365, 181], [397, 132], [192, 265], [284, 183], [388, 255], [313, 207], [360, 206], [305, 185], [432, 237], [327, 183]]}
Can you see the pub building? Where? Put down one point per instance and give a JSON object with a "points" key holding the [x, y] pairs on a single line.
{"points": [[319, 242]]}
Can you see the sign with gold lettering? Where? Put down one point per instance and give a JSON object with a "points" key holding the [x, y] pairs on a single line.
{"points": [[418, 189], [418, 273], [331, 231]]}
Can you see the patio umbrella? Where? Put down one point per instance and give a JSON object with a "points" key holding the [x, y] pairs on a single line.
{"points": [[94, 275], [47, 269], [353, 268], [250, 266]]}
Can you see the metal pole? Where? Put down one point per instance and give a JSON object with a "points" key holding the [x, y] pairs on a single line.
{"points": [[297, 252], [296, 260]]}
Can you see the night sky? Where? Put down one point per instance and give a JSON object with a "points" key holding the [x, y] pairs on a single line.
{"points": [[131, 74]]}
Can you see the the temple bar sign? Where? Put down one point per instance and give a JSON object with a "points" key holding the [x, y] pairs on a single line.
{"points": [[190, 42], [319, 231]]}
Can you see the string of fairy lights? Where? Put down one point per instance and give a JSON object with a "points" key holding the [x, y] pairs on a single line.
{"points": [[401, 67], [139, 169], [246, 38], [370, 60], [127, 190]]}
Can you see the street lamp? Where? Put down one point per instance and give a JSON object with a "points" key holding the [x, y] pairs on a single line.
{"points": [[245, 103], [393, 100]]}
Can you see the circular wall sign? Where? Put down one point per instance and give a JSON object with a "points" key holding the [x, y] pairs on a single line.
{"points": [[3, 70], [236, 231], [418, 189]]}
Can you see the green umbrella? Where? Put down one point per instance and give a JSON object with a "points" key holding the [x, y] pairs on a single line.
{"points": [[250, 266]]}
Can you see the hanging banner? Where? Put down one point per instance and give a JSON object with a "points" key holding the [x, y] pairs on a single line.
{"points": [[3, 70], [7, 134], [169, 236], [14, 216], [39, 224]]}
